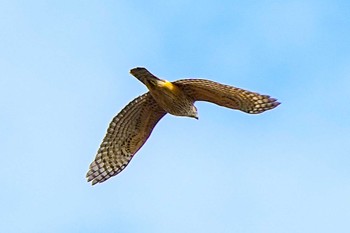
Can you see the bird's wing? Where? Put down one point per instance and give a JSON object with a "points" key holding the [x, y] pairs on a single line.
{"points": [[227, 96], [126, 134]]}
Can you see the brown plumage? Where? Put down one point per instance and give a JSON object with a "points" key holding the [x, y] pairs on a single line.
{"points": [[130, 129]]}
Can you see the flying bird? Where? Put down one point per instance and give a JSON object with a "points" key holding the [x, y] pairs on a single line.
{"points": [[130, 129]]}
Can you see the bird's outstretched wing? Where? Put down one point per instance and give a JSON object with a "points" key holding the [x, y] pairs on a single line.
{"points": [[227, 96], [126, 134]]}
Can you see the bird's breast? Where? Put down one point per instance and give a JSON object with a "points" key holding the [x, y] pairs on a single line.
{"points": [[171, 98]]}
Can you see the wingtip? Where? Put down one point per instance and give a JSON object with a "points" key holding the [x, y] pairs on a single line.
{"points": [[274, 102], [92, 180], [90, 177]]}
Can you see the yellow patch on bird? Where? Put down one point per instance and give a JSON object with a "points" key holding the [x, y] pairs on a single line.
{"points": [[169, 85]]}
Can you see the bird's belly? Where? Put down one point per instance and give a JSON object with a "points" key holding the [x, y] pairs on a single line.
{"points": [[173, 103]]}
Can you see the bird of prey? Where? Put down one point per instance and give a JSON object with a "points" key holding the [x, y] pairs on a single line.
{"points": [[130, 129]]}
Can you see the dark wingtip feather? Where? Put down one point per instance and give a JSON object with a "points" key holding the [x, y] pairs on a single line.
{"points": [[263, 103], [274, 103]]}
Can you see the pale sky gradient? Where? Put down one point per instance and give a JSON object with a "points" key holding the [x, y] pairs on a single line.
{"points": [[64, 73]]}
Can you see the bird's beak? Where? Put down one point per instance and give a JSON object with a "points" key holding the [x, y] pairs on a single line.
{"points": [[196, 116]]}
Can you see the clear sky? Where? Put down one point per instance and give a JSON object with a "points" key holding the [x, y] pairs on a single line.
{"points": [[64, 73]]}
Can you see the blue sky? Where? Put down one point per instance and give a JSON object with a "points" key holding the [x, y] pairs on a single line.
{"points": [[64, 73]]}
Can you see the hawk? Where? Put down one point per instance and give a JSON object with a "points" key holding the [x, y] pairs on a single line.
{"points": [[130, 129]]}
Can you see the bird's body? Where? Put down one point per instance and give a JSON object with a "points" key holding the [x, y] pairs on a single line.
{"points": [[130, 129], [167, 94]]}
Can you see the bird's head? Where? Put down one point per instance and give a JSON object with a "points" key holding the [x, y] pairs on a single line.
{"points": [[193, 112]]}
